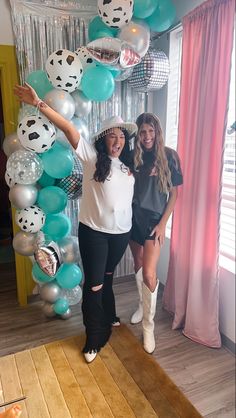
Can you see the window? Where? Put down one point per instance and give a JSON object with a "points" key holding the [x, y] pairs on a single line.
{"points": [[227, 218], [173, 95]]}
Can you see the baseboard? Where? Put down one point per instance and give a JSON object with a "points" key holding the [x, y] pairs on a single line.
{"points": [[228, 344]]}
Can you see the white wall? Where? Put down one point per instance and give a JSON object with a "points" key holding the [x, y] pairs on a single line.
{"points": [[6, 34], [227, 279]]}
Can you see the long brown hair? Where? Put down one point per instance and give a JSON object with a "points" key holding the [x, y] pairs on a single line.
{"points": [[160, 166]]}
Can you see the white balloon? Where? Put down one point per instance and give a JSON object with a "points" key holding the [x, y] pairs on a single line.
{"points": [[64, 70], [115, 13], [85, 58], [10, 182], [36, 133], [62, 102], [30, 219]]}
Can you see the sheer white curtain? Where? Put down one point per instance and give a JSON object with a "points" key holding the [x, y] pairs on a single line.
{"points": [[43, 26]]}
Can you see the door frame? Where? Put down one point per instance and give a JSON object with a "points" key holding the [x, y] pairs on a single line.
{"points": [[8, 79]]}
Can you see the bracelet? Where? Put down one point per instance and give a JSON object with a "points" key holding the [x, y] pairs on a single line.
{"points": [[40, 104]]}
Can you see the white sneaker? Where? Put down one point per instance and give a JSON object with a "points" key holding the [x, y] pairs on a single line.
{"points": [[116, 322], [90, 355]]}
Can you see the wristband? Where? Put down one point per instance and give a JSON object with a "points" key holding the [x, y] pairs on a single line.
{"points": [[40, 104]]}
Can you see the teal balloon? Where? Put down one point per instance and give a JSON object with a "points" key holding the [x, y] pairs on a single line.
{"points": [[61, 306], [97, 84], [40, 82], [144, 8], [163, 17], [45, 180], [56, 226], [104, 33], [68, 276], [96, 25], [40, 275], [52, 199], [115, 72], [58, 161]]}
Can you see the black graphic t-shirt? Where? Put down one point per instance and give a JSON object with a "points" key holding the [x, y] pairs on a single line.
{"points": [[146, 192]]}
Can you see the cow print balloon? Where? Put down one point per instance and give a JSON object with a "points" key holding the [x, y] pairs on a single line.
{"points": [[85, 58], [64, 70], [115, 13], [36, 133], [30, 219]]}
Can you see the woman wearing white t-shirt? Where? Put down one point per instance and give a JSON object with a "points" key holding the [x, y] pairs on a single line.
{"points": [[105, 214]]}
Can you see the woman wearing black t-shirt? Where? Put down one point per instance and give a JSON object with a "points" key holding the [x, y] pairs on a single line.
{"points": [[157, 174]]}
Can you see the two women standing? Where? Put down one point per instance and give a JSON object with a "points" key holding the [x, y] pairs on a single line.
{"points": [[106, 220]]}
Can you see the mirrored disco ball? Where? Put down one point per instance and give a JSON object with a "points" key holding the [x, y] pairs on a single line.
{"points": [[152, 72], [72, 185]]}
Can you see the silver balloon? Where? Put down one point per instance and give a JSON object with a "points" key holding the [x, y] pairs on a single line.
{"points": [[73, 296], [50, 292], [24, 243], [11, 144], [62, 102], [48, 310], [152, 73], [67, 314], [24, 167], [69, 249], [81, 127], [83, 105], [137, 34], [23, 195]]}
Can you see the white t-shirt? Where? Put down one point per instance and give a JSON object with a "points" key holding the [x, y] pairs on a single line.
{"points": [[105, 207]]}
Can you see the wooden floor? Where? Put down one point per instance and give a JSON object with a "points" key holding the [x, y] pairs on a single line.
{"points": [[206, 376]]}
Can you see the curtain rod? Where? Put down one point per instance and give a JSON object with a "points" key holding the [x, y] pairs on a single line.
{"points": [[159, 35]]}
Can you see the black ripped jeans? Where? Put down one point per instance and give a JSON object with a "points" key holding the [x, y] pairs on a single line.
{"points": [[100, 253]]}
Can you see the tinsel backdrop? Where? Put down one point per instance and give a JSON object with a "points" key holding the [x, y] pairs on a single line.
{"points": [[43, 26]]}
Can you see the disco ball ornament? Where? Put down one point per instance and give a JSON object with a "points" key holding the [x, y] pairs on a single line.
{"points": [[151, 73], [72, 184]]}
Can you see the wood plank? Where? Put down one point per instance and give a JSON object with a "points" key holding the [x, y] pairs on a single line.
{"points": [[49, 384], [193, 367], [96, 403], [11, 386], [35, 401], [113, 394], [135, 397], [70, 388], [157, 386]]}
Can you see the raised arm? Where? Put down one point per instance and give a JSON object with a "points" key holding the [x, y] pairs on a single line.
{"points": [[27, 94]]}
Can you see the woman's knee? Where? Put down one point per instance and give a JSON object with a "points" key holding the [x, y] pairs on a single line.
{"points": [[96, 288], [150, 280]]}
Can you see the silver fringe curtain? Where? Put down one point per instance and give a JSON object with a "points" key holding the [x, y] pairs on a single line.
{"points": [[43, 26]]}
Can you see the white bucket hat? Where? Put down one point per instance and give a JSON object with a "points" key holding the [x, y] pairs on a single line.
{"points": [[115, 122]]}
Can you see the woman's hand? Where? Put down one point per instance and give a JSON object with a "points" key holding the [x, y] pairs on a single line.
{"points": [[159, 232], [26, 94]]}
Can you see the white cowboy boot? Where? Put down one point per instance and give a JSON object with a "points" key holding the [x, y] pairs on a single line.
{"points": [[138, 314], [149, 310]]}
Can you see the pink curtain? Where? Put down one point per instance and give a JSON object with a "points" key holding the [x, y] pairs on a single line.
{"points": [[192, 288]]}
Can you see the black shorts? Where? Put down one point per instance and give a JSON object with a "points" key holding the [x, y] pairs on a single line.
{"points": [[143, 223]]}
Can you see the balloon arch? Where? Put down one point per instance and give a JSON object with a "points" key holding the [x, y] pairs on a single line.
{"points": [[118, 50]]}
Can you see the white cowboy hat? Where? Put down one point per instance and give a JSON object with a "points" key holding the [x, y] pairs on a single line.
{"points": [[115, 122]]}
